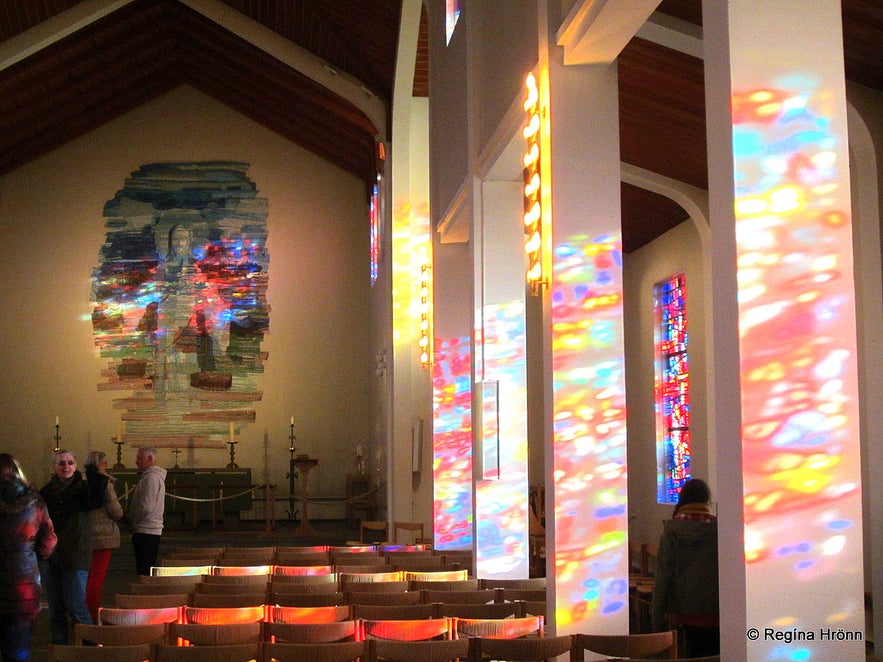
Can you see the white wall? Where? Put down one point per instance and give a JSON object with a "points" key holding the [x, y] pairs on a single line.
{"points": [[677, 250], [51, 228]]}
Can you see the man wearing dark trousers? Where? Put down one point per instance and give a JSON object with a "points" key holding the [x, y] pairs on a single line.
{"points": [[146, 510]]}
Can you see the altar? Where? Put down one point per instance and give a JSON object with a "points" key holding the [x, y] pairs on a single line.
{"points": [[196, 495]]}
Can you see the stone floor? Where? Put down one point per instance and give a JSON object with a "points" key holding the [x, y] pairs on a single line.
{"points": [[122, 565]]}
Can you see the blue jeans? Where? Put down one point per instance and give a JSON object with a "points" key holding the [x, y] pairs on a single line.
{"points": [[66, 593], [15, 637]]}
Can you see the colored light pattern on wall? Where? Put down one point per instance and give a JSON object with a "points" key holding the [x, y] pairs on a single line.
{"points": [[802, 503], [452, 443], [672, 389], [376, 226], [533, 187], [591, 556], [501, 517], [180, 306], [452, 15]]}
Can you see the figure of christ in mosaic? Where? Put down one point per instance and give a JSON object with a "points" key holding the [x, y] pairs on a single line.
{"points": [[180, 304]]}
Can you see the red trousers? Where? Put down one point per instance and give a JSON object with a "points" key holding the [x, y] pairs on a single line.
{"points": [[97, 573]]}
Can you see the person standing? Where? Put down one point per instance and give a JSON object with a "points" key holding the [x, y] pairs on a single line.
{"points": [[105, 531], [686, 587], [69, 499], [146, 510], [27, 536]]}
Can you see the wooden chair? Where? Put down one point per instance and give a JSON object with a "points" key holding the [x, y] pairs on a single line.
{"points": [[531, 583], [136, 601], [303, 589], [137, 588], [369, 585], [337, 651], [414, 527], [224, 615], [283, 599], [114, 616], [534, 608], [407, 630], [300, 549], [392, 612], [434, 650], [300, 580], [436, 575], [490, 610], [232, 588], [358, 558], [200, 634], [351, 549], [522, 649], [473, 597], [119, 635], [178, 570], [625, 645], [282, 614], [233, 599], [436, 585], [300, 570], [266, 550], [130, 653], [172, 562], [374, 598], [367, 526], [392, 578], [512, 594], [406, 551], [197, 552], [501, 628], [366, 569], [246, 559], [290, 557], [169, 580], [311, 633], [218, 653], [222, 570]]}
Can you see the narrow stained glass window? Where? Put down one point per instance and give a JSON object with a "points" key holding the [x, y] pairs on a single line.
{"points": [[374, 213], [452, 15], [672, 389]]}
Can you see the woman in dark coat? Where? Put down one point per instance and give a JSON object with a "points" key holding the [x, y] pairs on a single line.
{"points": [[26, 537], [69, 498]]}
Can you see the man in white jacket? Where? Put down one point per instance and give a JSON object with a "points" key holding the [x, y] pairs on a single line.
{"points": [[146, 510]]}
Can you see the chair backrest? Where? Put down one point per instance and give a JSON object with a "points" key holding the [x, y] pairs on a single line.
{"points": [[231, 588], [282, 614], [311, 633], [524, 649], [169, 580], [626, 645], [533, 582], [337, 651], [414, 527], [291, 557], [138, 588], [285, 599], [501, 628], [357, 558], [303, 589], [119, 635], [197, 552], [393, 550], [200, 634], [132, 653], [423, 562], [490, 610], [114, 616], [136, 601], [266, 550], [475, 597], [392, 612], [224, 615], [448, 585], [368, 526], [384, 576], [246, 559], [436, 575], [369, 598], [408, 629], [366, 569], [242, 569], [351, 549], [232, 599], [174, 562], [300, 570], [368, 584], [511, 594], [330, 578], [437, 650], [186, 570], [218, 653]]}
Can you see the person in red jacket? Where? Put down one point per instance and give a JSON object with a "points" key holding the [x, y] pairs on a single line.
{"points": [[27, 536]]}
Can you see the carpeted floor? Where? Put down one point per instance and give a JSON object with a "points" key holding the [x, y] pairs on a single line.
{"points": [[247, 534]]}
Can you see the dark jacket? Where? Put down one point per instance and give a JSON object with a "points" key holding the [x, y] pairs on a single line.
{"points": [[69, 503], [26, 537], [686, 571]]}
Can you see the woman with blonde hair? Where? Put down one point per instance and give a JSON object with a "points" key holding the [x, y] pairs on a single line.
{"points": [[105, 531]]}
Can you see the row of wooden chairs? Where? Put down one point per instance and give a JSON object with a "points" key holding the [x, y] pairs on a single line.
{"points": [[391, 571], [475, 633]]}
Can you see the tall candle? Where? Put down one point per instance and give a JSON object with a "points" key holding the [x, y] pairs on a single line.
{"points": [[292, 421], [120, 433], [56, 421], [232, 433]]}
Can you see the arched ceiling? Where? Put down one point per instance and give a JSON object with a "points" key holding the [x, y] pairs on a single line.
{"points": [[145, 48]]}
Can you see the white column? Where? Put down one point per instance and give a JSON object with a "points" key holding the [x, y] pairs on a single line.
{"points": [[784, 337]]}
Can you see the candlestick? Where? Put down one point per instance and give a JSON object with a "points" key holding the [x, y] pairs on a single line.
{"points": [[57, 435], [291, 438]]}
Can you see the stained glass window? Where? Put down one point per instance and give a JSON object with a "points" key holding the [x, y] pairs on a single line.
{"points": [[672, 389], [374, 213], [452, 15]]}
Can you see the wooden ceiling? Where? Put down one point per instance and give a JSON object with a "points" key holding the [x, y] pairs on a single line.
{"points": [[148, 47]]}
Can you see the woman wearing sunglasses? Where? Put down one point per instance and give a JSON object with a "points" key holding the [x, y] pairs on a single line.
{"points": [[69, 498]]}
